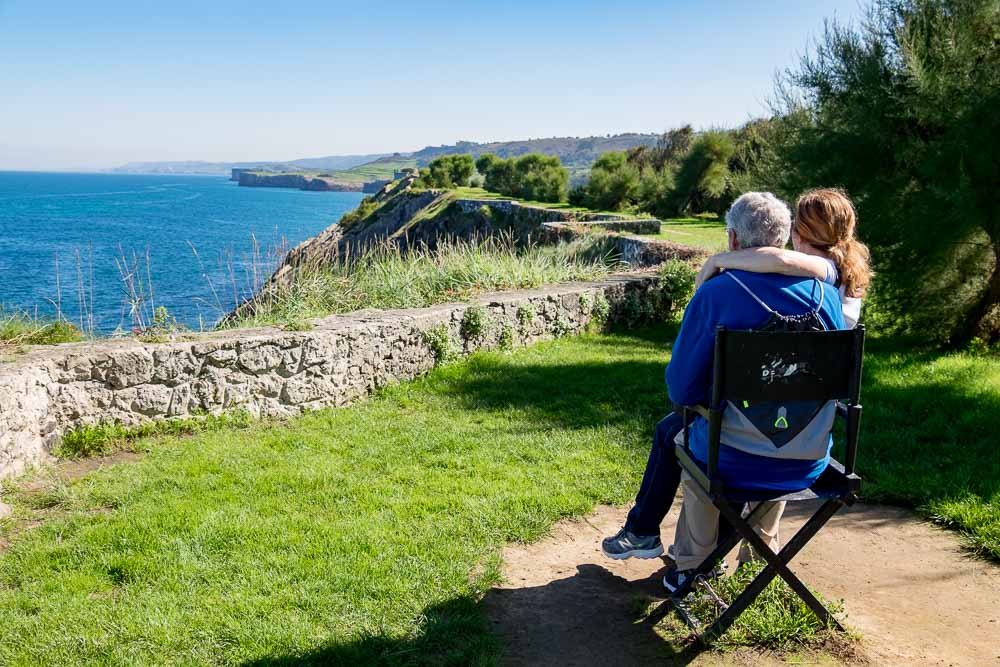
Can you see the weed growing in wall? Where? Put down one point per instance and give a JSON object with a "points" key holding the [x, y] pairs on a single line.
{"points": [[506, 341], [438, 339], [475, 322], [600, 311], [636, 310], [298, 325], [163, 328], [526, 314], [561, 327]]}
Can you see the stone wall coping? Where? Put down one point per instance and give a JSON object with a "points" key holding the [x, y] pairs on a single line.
{"points": [[328, 323], [268, 372]]}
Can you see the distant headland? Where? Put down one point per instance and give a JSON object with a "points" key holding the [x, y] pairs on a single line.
{"points": [[353, 172]]}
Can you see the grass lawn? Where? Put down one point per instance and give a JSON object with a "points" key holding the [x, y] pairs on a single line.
{"points": [[708, 234], [345, 535], [378, 170], [480, 193], [929, 437], [369, 533]]}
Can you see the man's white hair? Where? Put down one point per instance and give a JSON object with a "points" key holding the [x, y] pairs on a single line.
{"points": [[759, 219]]}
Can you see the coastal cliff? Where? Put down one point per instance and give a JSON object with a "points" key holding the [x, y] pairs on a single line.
{"points": [[254, 179], [409, 217]]}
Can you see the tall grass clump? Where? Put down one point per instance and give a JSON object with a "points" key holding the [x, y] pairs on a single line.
{"points": [[778, 619], [22, 328], [386, 277]]}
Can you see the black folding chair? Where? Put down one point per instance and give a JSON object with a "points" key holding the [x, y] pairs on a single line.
{"points": [[774, 366]]}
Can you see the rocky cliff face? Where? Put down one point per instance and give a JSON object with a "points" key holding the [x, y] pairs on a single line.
{"points": [[297, 181]]}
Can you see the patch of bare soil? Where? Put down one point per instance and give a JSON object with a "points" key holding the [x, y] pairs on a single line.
{"points": [[69, 470], [908, 589], [47, 479]]}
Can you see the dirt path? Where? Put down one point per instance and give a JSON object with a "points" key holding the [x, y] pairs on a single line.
{"points": [[907, 587]]}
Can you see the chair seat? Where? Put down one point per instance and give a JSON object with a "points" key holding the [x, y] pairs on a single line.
{"points": [[833, 483]]}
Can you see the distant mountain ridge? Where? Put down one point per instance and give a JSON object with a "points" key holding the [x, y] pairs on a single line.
{"points": [[577, 153]]}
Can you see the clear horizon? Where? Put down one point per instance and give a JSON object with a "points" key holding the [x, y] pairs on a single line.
{"points": [[94, 87]]}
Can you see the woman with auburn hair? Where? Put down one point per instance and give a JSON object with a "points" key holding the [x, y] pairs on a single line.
{"points": [[825, 248]]}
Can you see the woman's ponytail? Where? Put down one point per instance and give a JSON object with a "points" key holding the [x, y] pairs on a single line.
{"points": [[825, 219]]}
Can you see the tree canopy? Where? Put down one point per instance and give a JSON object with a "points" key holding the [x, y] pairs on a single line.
{"points": [[448, 171], [533, 176], [902, 111]]}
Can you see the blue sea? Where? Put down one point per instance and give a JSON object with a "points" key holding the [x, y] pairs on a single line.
{"points": [[106, 249]]}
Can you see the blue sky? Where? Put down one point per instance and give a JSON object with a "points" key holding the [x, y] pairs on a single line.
{"points": [[98, 83]]}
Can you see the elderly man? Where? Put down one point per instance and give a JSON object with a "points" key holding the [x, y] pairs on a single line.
{"points": [[736, 300]]}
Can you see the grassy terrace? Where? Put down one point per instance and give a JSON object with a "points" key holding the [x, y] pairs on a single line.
{"points": [[371, 171], [703, 233], [707, 234], [378, 170], [386, 278], [371, 533], [480, 193]]}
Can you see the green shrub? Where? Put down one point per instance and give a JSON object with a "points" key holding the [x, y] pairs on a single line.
{"points": [[533, 176], [901, 111], [526, 314], [613, 184], [438, 339], [702, 181], [475, 322], [676, 285], [506, 341]]}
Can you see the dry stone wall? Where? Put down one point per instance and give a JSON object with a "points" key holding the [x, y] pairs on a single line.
{"points": [[270, 372]]}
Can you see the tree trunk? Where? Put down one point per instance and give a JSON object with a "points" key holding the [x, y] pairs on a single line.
{"points": [[983, 321]]}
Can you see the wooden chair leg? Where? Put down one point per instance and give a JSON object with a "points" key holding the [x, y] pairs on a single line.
{"points": [[777, 563], [726, 543]]}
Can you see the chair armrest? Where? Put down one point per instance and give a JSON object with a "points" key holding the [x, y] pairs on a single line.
{"points": [[700, 410], [714, 419]]}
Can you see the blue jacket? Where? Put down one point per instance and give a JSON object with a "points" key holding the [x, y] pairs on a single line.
{"points": [[722, 301]]}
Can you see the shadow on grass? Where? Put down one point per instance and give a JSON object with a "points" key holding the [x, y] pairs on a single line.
{"points": [[591, 617], [591, 393]]}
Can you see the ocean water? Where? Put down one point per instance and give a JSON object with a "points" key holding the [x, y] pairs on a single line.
{"points": [[67, 240]]}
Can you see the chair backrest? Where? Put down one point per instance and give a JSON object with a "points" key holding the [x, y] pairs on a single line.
{"points": [[788, 366]]}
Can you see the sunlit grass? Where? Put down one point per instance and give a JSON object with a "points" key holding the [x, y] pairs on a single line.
{"points": [[386, 277], [21, 328], [346, 536], [703, 233]]}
